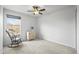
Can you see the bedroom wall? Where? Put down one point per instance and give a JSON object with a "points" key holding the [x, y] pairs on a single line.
{"points": [[1, 29], [59, 26], [77, 29], [26, 23]]}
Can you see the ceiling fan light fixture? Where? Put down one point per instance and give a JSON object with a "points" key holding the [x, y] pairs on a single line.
{"points": [[36, 12]]}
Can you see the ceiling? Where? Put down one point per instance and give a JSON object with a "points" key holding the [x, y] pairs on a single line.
{"points": [[25, 8]]}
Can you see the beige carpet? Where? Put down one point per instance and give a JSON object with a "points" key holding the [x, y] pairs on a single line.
{"points": [[39, 47]]}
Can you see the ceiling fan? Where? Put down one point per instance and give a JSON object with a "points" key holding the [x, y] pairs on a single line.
{"points": [[37, 10]]}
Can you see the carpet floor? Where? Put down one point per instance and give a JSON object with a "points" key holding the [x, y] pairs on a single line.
{"points": [[39, 47]]}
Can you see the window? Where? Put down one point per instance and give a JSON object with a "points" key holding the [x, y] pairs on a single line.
{"points": [[14, 25]]}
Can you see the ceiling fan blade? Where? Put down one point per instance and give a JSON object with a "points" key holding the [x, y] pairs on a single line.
{"points": [[29, 11], [33, 13], [42, 10], [36, 7], [41, 13]]}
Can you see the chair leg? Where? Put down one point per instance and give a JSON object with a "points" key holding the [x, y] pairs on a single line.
{"points": [[11, 45]]}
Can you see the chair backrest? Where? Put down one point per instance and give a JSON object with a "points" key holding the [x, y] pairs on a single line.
{"points": [[9, 34]]}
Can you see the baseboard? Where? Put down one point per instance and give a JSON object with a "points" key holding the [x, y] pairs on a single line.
{"points": [[62, 44]]}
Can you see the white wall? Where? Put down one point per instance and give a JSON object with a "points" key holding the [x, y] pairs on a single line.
{"points": [[1, 29], [59, 26], [26, 23], [78, 29]]}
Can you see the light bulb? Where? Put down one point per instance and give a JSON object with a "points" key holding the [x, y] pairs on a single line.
{"points": [[36, 12]]}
